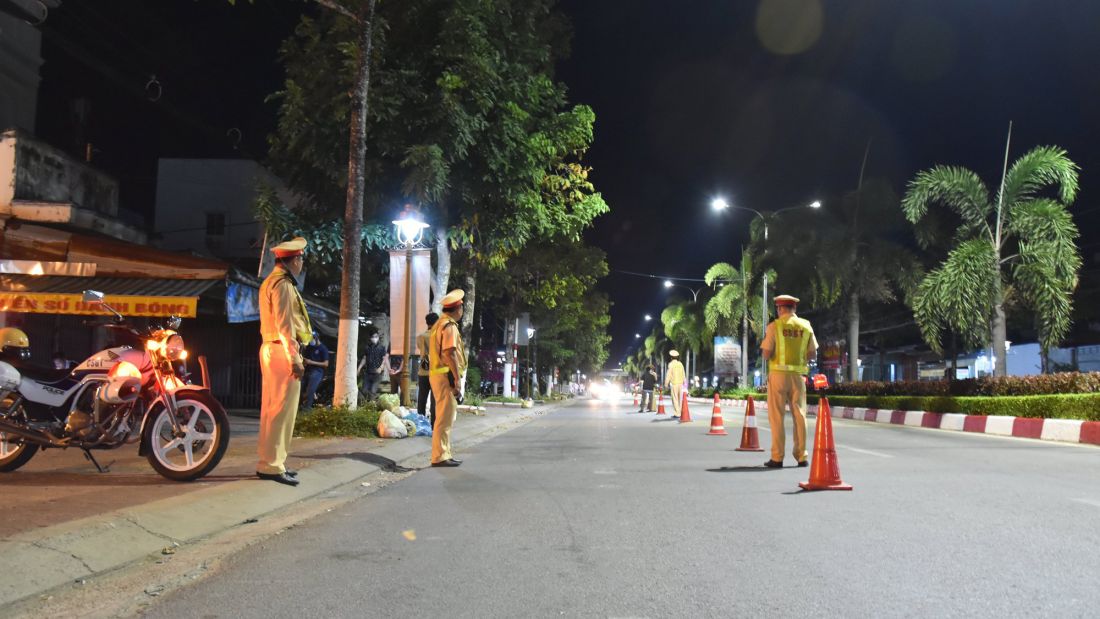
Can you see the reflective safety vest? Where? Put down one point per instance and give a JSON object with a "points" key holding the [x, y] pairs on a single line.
{"points": [[435, 350], [792, 336]]}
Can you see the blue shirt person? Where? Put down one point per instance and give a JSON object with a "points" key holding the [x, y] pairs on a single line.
{"points": [[315, 356]]}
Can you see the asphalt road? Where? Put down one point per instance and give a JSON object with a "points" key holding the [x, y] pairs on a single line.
{"points": [[596, 512]]}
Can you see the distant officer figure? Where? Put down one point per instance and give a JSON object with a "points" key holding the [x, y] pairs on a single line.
{"points": [[649, 382], [423, 385], [285, 328], [675, 381], [788, 345], [447, 361]]}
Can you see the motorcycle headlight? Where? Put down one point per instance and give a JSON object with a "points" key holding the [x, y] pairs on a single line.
{"points": [[173, 347]]}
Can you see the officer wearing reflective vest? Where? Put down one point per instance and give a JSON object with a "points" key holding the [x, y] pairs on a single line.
{"points": [[447, 362], [788, 345], [285, 329]]}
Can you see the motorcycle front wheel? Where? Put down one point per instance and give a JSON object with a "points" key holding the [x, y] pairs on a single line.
{"points": [[14, 455], [205, 436]]}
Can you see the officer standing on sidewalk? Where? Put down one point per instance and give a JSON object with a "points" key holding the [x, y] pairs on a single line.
{"points": [[447, 358], [285, 328], [788, 345], [675, 381]]}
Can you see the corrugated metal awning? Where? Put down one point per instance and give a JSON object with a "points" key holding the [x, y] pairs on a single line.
{"points": [[57, 284]]}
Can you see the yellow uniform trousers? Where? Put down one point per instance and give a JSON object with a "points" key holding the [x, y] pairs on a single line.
{"points": [[676, 393], [278, 408], [787, 388], [446, 409]]}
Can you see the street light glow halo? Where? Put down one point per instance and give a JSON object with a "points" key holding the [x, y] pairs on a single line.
{"points": [[815, 204], [719, 204], [410, 228], [668, 283]]}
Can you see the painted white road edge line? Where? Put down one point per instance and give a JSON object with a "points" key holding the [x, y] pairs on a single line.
{"points": [[1087, 502], [866, 451]]}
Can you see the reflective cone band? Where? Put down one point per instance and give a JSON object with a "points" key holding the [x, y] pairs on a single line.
{"points": [[660, 402], [750, 436], [824, 467], [717, 425], [685, 414], [635, 399]]}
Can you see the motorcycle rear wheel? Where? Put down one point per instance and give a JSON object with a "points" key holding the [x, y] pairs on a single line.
{"points": [[14, 455], [206, 426]]}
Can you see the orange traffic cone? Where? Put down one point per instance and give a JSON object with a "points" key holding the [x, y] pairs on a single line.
{"points": [[660, 402], [635, 399], [685, 414], [750, 436], [824, 470], [717, 425]]}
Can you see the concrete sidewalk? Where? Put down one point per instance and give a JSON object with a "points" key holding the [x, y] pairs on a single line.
{"points": [[63, 521]]}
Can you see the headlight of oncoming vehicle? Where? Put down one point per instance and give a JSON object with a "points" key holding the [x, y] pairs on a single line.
{"points": [[173, 347]]}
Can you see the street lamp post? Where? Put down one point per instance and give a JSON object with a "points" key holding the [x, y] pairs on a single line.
{"points": [[720, 204], [410, 231]]}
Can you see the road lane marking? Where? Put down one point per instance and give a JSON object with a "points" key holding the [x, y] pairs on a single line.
{"points": [[867, 451], [1087, 502]]}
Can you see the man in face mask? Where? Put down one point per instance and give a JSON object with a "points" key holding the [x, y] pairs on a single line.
{"points": [[374, 360]]}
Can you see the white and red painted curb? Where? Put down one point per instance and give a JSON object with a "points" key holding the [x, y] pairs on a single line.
{"points": [[1061, 430]]}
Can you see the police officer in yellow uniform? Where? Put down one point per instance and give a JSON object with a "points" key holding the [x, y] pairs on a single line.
{"points": [[675, 381], [285, 328], [788, 345], [447, 360]]}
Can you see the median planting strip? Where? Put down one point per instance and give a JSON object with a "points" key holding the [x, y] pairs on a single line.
{"points": [[1049, 429]]}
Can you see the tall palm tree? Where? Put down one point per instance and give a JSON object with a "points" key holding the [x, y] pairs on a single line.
{"points": [[735, 307], [1016, 242]]}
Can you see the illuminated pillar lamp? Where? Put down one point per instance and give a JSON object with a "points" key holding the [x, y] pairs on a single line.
{"points": [[410, 231]]}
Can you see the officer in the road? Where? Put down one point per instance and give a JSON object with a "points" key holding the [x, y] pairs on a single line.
{"points": [[649, 383], [675, 381], [788, 345], [447, 361], [285, 329]]}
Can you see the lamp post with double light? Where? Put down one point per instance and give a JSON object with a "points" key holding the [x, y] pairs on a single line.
{"points": [[410, 231], [720, 204]]}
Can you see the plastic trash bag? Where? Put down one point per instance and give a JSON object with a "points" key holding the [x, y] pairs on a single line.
{"points": [[389, 426], [423, 425], [410, 427], [389, 401]]}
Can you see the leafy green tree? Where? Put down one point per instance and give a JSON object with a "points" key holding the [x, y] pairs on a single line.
{"points": [[686, 327], [466, 121], [1017, 242]]}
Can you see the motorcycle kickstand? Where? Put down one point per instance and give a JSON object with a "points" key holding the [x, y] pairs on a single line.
{"points": [[101, 469]]}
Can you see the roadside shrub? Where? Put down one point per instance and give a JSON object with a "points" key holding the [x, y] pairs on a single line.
{"points": [[502, 399], [329, 421], [1045, 384]]}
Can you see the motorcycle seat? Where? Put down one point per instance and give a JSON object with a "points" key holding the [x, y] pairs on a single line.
{"points": [[41, 374]]}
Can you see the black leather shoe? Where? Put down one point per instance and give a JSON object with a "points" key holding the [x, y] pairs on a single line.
{"points": [[291, 473], [456, 460], [282, 478], [804, 463], [772, 464], [447, 463]]}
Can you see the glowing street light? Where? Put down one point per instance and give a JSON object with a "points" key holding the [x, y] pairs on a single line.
{"points": [[719, 204], [648, 317], [410, 231]]}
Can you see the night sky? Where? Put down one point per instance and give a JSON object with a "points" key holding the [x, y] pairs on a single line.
{"points": [[768, 103]]}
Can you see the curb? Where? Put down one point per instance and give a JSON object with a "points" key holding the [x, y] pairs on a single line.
{"points": [[88, 547], [1057, 430]]}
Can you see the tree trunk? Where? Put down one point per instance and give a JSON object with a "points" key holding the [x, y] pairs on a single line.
{"points": [[346, 391], [853, 338], [1000, 331], [442, 269]]}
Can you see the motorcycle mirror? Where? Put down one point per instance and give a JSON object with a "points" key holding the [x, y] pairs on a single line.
{"points": [[93, 296]]}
